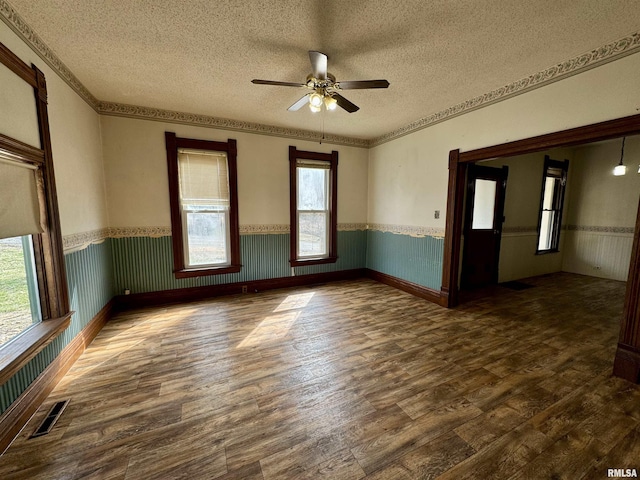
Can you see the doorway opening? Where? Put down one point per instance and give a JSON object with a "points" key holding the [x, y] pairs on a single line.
{"points": [[627, 363]]}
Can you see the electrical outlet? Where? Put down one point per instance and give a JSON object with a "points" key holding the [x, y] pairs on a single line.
{"points": [[436, 214], [244, 289]]}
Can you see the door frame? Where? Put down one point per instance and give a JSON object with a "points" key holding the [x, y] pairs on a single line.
{"points": [[627, 361], [501, 174]]}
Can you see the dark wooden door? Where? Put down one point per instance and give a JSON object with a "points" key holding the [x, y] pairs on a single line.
{"points": [[483, 225]]}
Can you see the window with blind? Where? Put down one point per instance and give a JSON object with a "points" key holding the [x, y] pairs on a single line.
{"points": [[204, 206], [313, 185], [34, 299], [554, 181], [19, 220]]}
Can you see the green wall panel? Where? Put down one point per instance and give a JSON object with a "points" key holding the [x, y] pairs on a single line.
{"points": [[145, 264], [416, 259], [90, 281]]}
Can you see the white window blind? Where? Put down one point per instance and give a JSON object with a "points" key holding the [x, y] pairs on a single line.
{"points": [[19, 205], [204, 178]]}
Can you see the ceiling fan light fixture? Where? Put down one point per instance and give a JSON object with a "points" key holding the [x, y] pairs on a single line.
{"points": [[315, 100], [330, 103], [314, 109]]}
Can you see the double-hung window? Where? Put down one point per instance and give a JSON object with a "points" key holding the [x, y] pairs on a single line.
{"points": [[554, 181], [204, 208], [34, 300], [313, 184]]}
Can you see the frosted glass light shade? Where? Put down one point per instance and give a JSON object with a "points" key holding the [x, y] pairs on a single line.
{"points": [[620, 170]]}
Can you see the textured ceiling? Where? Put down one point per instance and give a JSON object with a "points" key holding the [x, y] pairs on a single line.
{"points": [[200, 56]]}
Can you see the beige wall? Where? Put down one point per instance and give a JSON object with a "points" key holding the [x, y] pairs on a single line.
{"points": [[603, 210], [408, 176], [137, 186], [19, 117], [76, 144], [598, 197]]}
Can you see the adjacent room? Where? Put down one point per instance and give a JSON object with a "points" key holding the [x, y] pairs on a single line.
{"points": [[319, 239]]}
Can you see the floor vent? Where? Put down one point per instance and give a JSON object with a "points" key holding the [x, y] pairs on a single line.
{"points": [[51, 419]]}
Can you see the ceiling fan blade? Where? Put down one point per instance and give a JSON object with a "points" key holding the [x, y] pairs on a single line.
{"points": [[318, 64], [346, 104], [356, 84], [281, 84], [300, 103]]}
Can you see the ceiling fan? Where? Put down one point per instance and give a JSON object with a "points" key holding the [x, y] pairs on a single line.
{"points": [[324, 87]]}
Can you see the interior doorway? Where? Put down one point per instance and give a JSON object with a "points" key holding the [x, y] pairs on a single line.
{"points": [[483, 225], [627, 360]]}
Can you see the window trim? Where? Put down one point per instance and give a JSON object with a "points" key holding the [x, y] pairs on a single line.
{"points": [[332, 241], [557, 223], [173, 143], [47, 246]]}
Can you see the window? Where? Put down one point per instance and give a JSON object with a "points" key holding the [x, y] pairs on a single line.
{"points": [[204, 206], [554, 181], [34, 301], [313, 181], [19, 300]]}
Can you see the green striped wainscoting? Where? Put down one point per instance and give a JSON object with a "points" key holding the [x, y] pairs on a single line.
{"points": [[90, 280], [415, 259], [145, 264]]}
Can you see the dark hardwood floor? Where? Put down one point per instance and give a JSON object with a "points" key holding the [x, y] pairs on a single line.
{"points": [[348, 380]]}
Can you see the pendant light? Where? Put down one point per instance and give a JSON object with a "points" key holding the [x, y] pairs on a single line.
{"points": [[620, 169]]}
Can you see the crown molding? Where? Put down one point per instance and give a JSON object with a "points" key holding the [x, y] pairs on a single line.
{"points": [[160, 115], [607, 53], [31, 38]]}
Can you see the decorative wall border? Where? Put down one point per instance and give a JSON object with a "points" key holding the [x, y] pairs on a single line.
{"points": [[351, 227], [264, 229], [410, 230], [522, 230], [600, 229], [599, 56], [532, 230], [121, 232], [80, 241], [160, 115]]}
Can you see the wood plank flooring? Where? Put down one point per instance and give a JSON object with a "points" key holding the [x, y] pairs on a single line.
{"points": [[348, 380]]}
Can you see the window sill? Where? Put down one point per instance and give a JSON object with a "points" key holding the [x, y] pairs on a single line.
{"points": [[545, 252], [313, 261], [15, 354], [202, 272]]}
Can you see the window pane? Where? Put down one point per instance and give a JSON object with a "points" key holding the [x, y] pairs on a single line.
{"points": [[546, 229], [312, 234], [312, 188], [19, 301], [207, 237], [550, 184], [484, 202]]}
